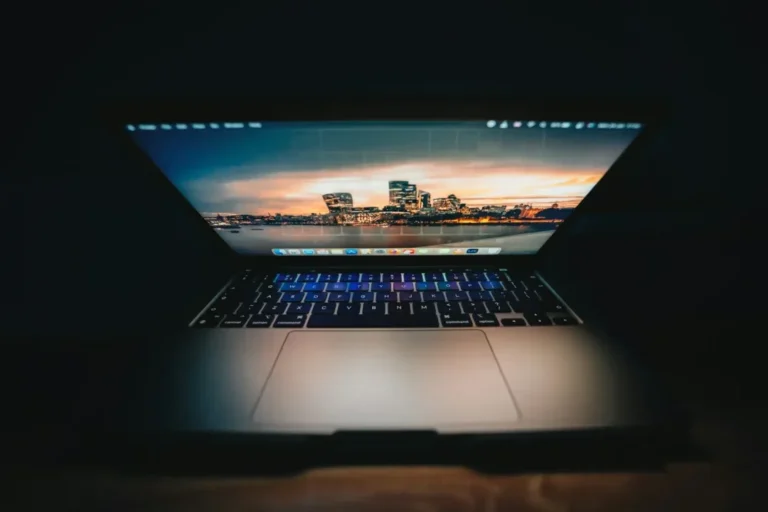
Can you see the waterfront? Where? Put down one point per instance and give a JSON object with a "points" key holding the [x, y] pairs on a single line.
{"points": [[510, 237]]}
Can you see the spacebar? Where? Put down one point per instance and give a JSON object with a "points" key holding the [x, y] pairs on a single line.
{"points": [[373, 321]]}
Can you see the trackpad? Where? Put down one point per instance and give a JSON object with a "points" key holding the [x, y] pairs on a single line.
{"points": [[447, 380]]}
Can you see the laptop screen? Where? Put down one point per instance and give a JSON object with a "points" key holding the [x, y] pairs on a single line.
{"points": [[385, 188]]}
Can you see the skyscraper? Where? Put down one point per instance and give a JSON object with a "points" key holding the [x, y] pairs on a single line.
{"points": [[425, 198], [338, 201], [397, 193], [454, 201]]}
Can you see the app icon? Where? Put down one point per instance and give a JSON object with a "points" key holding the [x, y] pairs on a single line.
{"points": [[254, 125], [336, 252], [517, 124], [472, 251], [579, 125], [445, 251], [215, 126], [531, 124], [590, 125], [367, 252], [409, 251], [131, 128], [491, 124], [494, 250], [166, 127], [423, 251], [458, 251], [294, 252], [503, 124], [350, 252], [394, 251], [198, 126], [279, 252], [308, 252], [324, 252], [380, 251], [181, 126]]}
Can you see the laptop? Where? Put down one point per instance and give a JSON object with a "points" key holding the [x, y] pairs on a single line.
{"points": [[387, 276]]}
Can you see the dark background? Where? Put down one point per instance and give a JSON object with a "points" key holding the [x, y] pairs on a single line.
{"points": [[673, 266]]}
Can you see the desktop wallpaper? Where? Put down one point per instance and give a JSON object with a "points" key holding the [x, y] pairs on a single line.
{"points": [[369, 188]]}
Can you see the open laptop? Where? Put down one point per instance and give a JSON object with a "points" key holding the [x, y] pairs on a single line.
{"points": [[387, 276]]}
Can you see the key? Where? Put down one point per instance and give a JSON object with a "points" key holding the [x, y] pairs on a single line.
{"points": [[349, 309], [350, 277], [410, 297], [381, 287], [298, 308], [234, 321], [292, 297], [476, 276], [283, 278], [412, 277], [223, 310], [307, 278], [373, 321], [291, 287], [336, 287], [447, 286], [328, 278], [469, 286], [491, 285], [473, 307], [269, 287], [250, 309], [386, 297], [433, 296], [565, 320], [324, 309], [370, 277], [209, 320], [493, 276], [362, 296], [226, 304], [448, 307], [338, 297], [269, 297], [455, 276], [399, 307], [455, 320], [513, 322], [456, 295], [485, 320], [503, 295], [393, 277], [537, 319], [273, 309], [403, 287], [260, 321], [372, 308], [290, 321], [480, 296], [423, 307], [498, 307], [434, 276], [359, 287], [424, 287], [314, 287]]}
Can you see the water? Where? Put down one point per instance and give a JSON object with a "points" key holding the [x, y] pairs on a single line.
{"points": [[508, 236]]}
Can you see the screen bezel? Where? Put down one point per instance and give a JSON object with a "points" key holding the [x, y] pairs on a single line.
{"points": [[647, 112]]}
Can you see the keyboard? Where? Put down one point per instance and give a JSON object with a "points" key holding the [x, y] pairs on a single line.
{"points": [[386, 299]]}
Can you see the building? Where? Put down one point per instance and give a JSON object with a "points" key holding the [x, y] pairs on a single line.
{"points": [[338, 201], [397, 192], [442, 204], [405, 195], [494, 208], [455, 203], [425, 199]]}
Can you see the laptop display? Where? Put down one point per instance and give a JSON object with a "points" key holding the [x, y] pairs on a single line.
{"points": [[385, 188]]}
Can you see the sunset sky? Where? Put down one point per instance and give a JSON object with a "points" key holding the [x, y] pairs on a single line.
{"points": [[286, 167]]}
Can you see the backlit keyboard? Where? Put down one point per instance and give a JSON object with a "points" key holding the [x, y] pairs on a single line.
{"points": [[386, 299]]}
